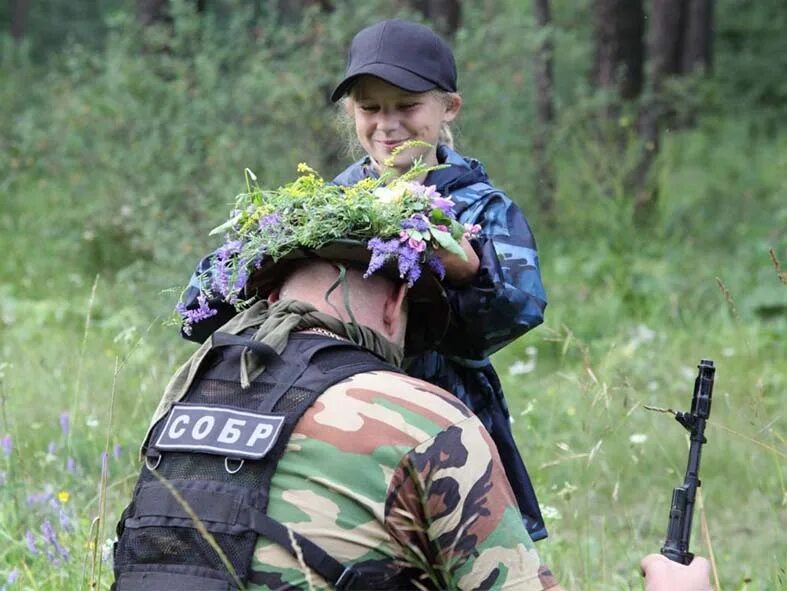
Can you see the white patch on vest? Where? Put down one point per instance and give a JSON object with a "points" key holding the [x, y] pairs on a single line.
{"points": [[219, 430]]}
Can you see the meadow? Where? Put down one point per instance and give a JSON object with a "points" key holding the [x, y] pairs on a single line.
{"points": [[116, 162]]}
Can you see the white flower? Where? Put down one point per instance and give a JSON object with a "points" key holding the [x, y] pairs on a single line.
{"points": [[638, 438], [548, 512], [390, 194], [520, 367]]}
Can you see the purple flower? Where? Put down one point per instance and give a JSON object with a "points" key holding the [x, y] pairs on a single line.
{"points": [[65, 519], [382, 250], [271, 219], [445, 204], [7, 445], [49, 535], [30, 541], [41, 498], [221, 277], [472, 230], [191, 317], [117, 451], [70, 465], [51, 448], [228, 249], [416, 245], [12, 577], [64, 422], [435, 263], [429, 191], [416, 222], [409, 264]]}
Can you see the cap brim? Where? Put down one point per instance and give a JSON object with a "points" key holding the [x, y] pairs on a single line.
{"points": [[395, 75], [429, 310]]}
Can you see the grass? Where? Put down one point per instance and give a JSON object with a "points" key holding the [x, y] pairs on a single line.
{"points": [[603, 464], [96, 222]]}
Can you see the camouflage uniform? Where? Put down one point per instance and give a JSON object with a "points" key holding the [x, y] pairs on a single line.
{"points": [[398, 478]]}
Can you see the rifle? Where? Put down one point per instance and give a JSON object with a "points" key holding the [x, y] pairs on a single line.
{"points": [[676, 546]]}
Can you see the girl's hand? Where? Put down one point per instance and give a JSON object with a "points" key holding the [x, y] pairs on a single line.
{"points": [[457, 271], [661, 574]]}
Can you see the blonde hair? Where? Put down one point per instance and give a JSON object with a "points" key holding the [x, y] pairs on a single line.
{"points": [[345, 123]]}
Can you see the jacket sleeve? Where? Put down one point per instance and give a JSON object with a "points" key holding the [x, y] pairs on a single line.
{"points": [[506, 299], [451, 502], [199, 331]]}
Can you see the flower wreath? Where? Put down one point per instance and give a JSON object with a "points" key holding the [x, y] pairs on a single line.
{"points": [[401, 221]]}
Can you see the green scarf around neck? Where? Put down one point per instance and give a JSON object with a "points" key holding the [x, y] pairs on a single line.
{"points": [[275, 324]]}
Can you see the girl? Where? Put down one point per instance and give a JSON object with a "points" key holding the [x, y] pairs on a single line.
{"points": [[399, 86]]}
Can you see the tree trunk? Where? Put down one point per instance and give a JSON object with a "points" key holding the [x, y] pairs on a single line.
{"points": [[19, 12], [446, 15], [665, 42], [293, 8], [619, 27], [151, 12], [698, 37], [545, 112]]}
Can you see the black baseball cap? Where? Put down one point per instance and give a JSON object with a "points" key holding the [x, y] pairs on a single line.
{"points": [[403, 53]]}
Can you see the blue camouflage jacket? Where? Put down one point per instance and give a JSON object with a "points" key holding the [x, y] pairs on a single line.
{"points": [[505, 300]]}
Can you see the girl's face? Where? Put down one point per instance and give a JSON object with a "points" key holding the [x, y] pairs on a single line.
{"points": [[387, 116]]}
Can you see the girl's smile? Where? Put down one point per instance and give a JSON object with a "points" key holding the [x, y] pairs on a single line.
{"points": [[386, 116]]}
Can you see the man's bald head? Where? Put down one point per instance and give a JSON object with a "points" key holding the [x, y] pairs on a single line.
{"points": [[375, 302]]}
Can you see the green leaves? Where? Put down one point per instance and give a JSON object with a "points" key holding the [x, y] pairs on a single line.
{"points": [[446, 241]]}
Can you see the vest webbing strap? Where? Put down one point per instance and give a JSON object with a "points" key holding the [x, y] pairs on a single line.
{"points": [[307, 552]]}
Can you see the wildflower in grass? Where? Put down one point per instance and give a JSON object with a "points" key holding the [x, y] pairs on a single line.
{"points": [[71, 467], [550, 512], [66, 519], [7, 445], [106, 549], [10, 579], [51, 449], [51, 537], [64, 423], [30, 542], [638, 438], [117, 451], [41, 498]]}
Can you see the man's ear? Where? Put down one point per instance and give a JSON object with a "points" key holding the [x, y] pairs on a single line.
{"points": [[273, 296], [394, 316]]}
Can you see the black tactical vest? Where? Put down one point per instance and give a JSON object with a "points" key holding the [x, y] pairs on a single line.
{"points": [[201, 500]]}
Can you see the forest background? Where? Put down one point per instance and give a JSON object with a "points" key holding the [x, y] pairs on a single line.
{"points": [[644, 141]]}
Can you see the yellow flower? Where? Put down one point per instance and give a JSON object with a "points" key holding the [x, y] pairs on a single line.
{"points": [[304, 168], [63, 496]]}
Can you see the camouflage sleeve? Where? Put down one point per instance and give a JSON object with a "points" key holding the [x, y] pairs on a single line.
{"points": [[200, 330], [507, 298], [451, 507]]}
